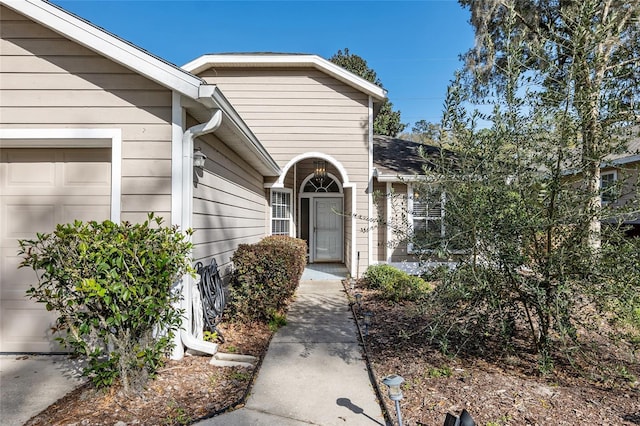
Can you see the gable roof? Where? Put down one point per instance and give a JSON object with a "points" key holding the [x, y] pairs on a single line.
{"points": [[290, 60], [101, 41], [630, 155], [396, 160]]}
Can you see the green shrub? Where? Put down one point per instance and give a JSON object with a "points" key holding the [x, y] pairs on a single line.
{"points": [[395, 284], [111, 286], [265, 277], [377, 275]]}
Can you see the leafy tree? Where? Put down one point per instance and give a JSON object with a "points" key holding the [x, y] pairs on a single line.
{"points": [[422, 131], [583, 57], [519, 195], [388, 121], [112, 287]]}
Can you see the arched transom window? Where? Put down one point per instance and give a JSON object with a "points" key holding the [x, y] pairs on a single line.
{"points": [[327, 184]]}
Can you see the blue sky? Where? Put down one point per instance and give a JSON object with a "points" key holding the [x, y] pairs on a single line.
{"points": [[414, 46]]}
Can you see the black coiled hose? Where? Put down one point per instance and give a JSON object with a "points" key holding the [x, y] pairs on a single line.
{"points": [[212, 294]]}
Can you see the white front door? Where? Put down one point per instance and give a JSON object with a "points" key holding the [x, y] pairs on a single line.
{"points": [[327, 230]]}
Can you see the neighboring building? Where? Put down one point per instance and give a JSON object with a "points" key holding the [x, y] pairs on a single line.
{"points": [[620, 173]]}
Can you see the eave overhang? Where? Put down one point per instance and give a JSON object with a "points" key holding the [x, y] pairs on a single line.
{"points": [[287, 60]]}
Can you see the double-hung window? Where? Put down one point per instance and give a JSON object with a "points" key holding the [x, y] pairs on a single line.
{"points": [[281, 216], [426, 218], [608, 186]]}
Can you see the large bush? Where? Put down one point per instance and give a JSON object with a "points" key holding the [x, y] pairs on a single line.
{"points": [[395, 284], [265, 276], [111, 286]]}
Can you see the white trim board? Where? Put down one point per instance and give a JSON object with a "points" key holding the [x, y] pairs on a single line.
{"points": [[74, 138], [287, 60], [109, 45]]}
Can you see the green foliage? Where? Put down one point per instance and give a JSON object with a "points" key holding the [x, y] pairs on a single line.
{"points": [[522, 194], [394, 284], [388, 121], [439, 372], [277, 320], [111, 286], [265, 277]]}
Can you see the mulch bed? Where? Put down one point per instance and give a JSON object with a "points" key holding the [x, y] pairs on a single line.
{"points": [[183, 391], [498, 389]]}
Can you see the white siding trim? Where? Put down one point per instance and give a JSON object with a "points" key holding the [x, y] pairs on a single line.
{"points": [[370, 183], [344, 176], [177, 130], [387, 218], [106, 44], [74, 138], [354, 239], [262, 60]]}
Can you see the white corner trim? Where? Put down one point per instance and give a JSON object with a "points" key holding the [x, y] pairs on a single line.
{"points": [[354, 239], [370, 182], [387, 218], [177, 131], [74, 138], [284, 60]]}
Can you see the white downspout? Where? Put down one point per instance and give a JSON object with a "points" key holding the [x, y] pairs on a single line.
{"points": [[186, 332]]}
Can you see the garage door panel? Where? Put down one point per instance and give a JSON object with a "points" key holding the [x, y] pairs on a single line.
{"points": [[29, 328], [24, 220], [40, 188], [84, 213], [21, 278], [20, 173], [86, 174]]}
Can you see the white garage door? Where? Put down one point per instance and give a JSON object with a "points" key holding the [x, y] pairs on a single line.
{"points": [[40, 188]]}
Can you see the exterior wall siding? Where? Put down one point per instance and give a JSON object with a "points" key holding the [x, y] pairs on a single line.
{"points": [[294, 111], [229, 205], [47, 81]]}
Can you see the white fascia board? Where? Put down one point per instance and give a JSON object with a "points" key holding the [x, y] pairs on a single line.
{"points": [[107, 44], [399, 178], [314, 61]]}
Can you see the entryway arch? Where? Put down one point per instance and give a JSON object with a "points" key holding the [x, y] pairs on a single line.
{"points": [[344, 176]]}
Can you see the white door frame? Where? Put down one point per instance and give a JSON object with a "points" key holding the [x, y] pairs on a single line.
{"points": [[312, 196]]}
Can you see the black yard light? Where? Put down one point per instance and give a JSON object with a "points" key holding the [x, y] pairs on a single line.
{"points": [[393, 382], [465, 419]]}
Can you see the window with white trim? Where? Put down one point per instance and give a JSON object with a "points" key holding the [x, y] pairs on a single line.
{"points": [[281, 216], [608, 188], [426, 218]]}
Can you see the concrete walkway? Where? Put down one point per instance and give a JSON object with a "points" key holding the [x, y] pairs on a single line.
{"points": [[313, 372], [30, 383]]}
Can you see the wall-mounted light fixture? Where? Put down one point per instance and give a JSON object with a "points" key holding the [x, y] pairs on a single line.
{"points": [[198, 159], [319, 170]]}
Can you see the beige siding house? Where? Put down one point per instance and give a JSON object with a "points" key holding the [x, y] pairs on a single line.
{"points": [[92, 127]]}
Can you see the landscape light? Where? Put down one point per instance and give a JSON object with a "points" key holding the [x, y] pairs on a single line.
{"points": [[393, 382]]}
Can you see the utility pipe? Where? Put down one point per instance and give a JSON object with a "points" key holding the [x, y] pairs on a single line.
{"points": [[187, 337]]}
